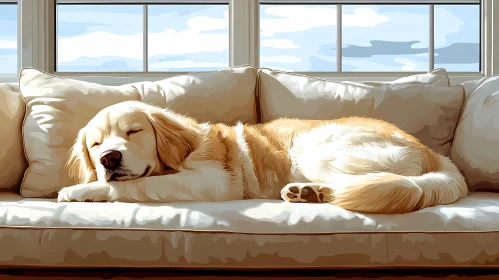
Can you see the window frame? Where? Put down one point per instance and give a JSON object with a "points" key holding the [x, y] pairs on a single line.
{"points": [[36, 41]]}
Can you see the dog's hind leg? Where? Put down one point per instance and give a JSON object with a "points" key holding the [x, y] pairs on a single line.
{"points": [[307, 192]]}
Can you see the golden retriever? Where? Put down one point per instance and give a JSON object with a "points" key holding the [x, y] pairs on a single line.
{"points": [[135, 152]]}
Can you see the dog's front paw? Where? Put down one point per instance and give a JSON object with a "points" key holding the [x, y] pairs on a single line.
{"points": [[68, 194], [84, 192]]}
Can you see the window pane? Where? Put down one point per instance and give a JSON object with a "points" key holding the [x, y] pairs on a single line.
{"points": [[457, 37], [188, 37], [8, 38], [298, 37], [381, 38], [99, 38]]}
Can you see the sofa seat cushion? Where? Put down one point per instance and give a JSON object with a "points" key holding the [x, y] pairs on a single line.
{"points": [[245, 234]]}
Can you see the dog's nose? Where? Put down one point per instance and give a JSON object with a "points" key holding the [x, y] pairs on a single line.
{"points": [[110, 159]]}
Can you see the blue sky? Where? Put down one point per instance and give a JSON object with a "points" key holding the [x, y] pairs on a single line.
{"points": [[374, 38], [181, 37], [8, 39], [293, 37]]}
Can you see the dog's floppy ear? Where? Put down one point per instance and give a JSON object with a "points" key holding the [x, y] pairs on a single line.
{"points": [[79, 165], [175, 137]]}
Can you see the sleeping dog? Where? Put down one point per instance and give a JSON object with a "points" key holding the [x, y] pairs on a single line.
{"points": [[135, 152]]}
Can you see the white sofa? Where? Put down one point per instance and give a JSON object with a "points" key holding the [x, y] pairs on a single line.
{"points": [[41, 115]]}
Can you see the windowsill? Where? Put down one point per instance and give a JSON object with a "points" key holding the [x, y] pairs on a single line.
{"points": [[116, 79], [9, 78]]}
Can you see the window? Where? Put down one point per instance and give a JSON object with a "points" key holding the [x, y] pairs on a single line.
{"points": [[8, 37], [370, 38], [457, 37], [142, 38], [123, 41]]}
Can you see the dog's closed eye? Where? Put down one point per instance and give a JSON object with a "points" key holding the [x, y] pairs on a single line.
{"points": [[95, 144], [130, 132]]}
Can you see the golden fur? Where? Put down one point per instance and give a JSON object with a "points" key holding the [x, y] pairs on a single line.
{"points": [[359, 164]]}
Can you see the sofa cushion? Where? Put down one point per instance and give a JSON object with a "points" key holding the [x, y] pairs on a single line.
{"points": [[475, 148], [438, 77], [12, 160], [58, 107], [245, 234], [422, 105], [226, 96]]}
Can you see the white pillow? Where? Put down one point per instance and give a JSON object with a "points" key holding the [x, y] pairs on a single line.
{"points": [[475, 149], [56, 108]]}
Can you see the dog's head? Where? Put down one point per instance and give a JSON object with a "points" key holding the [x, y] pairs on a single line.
{"points": [[129, 140]]}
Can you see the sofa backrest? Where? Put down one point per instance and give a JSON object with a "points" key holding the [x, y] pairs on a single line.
{"points": [[424, 105]]}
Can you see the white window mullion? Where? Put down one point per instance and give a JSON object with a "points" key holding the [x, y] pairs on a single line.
{"points": [[494, 52], [339, 27], [490, 48], [431, 47], [485, 33], [36, 41], [244, 32], [27, 18], [145, 45]]}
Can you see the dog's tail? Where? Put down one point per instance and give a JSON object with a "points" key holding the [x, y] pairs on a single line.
{"points": [[389, 193]]}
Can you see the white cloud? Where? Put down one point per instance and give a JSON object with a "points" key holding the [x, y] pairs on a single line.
{"points": [[408, 65], [185, 64], [324, 57], [363, 17], [279, 44], [167, 42], [369, 64], [405, 26], [171, 42], [99, 44], [280, 59], [7, 44], [296, 18], [202, 23], [280, 68], [446, 23]]}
